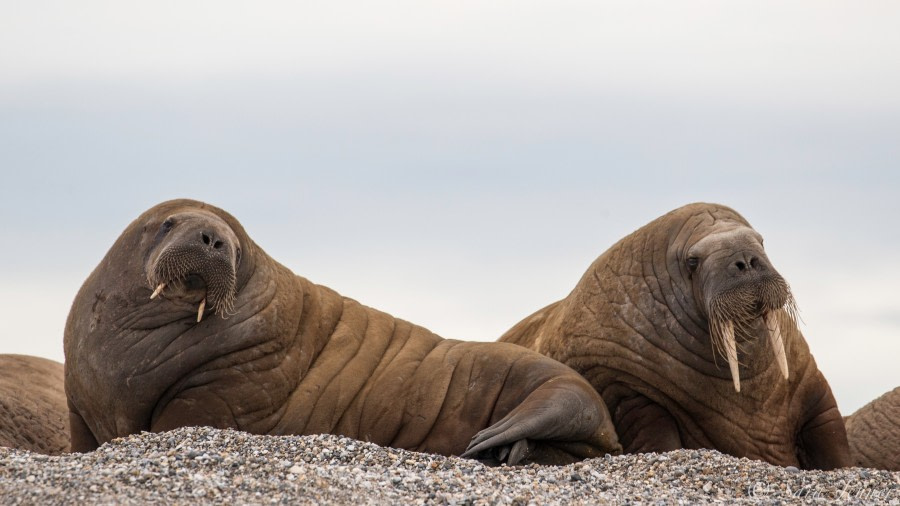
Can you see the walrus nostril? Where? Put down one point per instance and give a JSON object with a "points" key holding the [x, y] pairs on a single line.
{"points": [[753, 264], [211, 240]]}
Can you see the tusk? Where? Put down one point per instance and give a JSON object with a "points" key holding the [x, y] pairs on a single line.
{"points": [[731, 354], [158, 290], [777, 342], [200, 310]]}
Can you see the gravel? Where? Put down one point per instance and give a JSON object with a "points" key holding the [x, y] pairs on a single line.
{"points": [[199, 465]]}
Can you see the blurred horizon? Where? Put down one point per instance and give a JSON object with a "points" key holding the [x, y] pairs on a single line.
{"points": [[460, 166]]}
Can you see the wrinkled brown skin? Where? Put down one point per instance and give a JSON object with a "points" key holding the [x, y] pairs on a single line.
{"points": [[634, 328], [874, 433], [297, 358], [33, 412]]}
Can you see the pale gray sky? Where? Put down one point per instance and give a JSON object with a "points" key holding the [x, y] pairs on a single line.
{"points": [[460, 165]]}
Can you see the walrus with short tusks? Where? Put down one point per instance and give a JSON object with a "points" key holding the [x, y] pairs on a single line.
{"points": [[33, 412], [874, 433], [688, 333], [187, 322]]}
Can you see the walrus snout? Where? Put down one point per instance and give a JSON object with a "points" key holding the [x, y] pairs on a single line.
{"points": [[196, 254], [739, 309], [741, 293]]}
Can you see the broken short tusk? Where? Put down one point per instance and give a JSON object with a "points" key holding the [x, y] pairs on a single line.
{"points": [[200, 310], [777, 342], [731, 354], [158, 290]]}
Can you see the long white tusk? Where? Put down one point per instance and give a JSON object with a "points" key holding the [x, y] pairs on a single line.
{"points": [[158, 290], [200, 310], [731, 354], [777, 342]]}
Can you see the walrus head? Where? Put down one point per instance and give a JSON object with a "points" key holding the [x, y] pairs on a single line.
{"points": [[739, 292], [195, 257]]}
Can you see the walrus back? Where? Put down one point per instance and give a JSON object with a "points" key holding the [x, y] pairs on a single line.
{"points": [[33, 411], [528, 331], [385, 380], [874, 433]]}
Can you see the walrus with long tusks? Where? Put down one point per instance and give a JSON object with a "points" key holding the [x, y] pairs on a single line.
{"points": [[33, 412], [688, 333], [187, 322], [874, 433]]}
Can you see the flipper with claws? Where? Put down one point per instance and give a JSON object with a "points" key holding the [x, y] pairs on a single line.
{"points": [[562, 421]]}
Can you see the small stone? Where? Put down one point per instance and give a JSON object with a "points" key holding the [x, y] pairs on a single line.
{"points": [[295, 469], [791, 469]]}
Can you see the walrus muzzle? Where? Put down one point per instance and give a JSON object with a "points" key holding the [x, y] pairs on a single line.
{"points": [[735, 313], [186, 267]]}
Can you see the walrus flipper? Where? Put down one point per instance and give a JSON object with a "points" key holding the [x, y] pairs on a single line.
{"points": [[562, 421]]}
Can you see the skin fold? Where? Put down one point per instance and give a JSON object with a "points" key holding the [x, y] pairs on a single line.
{"points": [[647, 326], [874, 433], [233, 339], [33, 412]]}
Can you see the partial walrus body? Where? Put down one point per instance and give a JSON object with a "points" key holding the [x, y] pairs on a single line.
{"points": [[874, 433], [33, 413], [687, 332], [187, 322]]}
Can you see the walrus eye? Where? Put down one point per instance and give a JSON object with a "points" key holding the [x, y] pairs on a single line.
{"points": [[166, 225], [692, 263]]}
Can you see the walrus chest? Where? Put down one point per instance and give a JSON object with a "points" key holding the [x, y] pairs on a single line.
{"points": [[673, 414]]}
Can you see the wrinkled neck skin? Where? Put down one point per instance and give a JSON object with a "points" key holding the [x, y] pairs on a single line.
{"points": [[159, 346], [638, 323]]}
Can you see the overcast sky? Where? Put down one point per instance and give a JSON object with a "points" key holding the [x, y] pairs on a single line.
{"points": [[460, 164]]}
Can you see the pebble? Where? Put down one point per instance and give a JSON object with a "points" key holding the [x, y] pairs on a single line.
{"points": [[198, 465]]}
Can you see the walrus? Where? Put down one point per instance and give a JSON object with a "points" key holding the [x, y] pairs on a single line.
{"points": [[186, 322], [874, 433], [689, 334], [33, 411]]}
